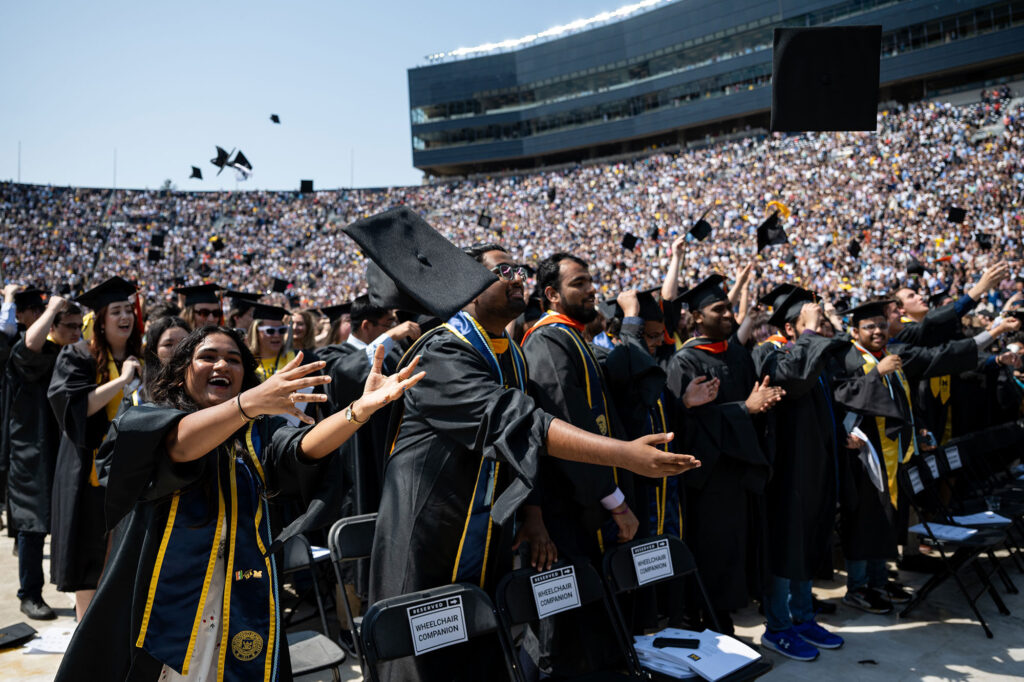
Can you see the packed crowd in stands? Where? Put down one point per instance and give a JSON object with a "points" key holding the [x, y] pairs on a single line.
{"points": [[889, 191]]}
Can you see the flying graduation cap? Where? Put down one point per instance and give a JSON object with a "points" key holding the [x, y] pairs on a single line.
{"points": [[984, 240], [483, 220], [701, 229], [275, 118], [196, 173], [770, 232], [221, 160], [825, 78], [853, 248], [241, 164], [915, 267], [217, 242], [955, 214], [629, 241], [280, 285]]}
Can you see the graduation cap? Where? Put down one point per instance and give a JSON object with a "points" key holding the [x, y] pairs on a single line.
{"points": [[936, 299], [154, 255], [30, 297], [984, 240], [279, 285], [653, 232], [866, 310], [770, 233], [16, 635], [483, 220], [853, 248], [609, 308], [701, 229], [915, 267], [413, 267], [241, 164], [275, 118], [242, 300], [196, 173], [200, 293], [262, 311], [305, 186], [825, 78], [156, 240], [204, 269], [65, 290], [334, 312], [955, 214], [221, 160], [629, 241], [552, 193], [786, 306], [113, 290], [709, 291], [217, 243]]}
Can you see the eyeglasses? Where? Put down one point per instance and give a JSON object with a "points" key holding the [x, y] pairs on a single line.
{"points": [[881, 326], [507, 271], [273, 331], [205, 312]]}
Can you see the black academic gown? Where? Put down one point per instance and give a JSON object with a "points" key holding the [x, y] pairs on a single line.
{"points": [[78, 543], [31, 436], [724, 497], [801, 495], [141, 481], [435, 525]]}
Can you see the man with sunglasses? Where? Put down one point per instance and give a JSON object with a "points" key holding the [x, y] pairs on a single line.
{"points": [[32, 439]]}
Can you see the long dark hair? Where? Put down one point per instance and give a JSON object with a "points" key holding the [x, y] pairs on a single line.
{"points": [[150, 359], [169, 387], [99, 347]]}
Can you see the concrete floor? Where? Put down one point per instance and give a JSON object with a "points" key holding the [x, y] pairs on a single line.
{"points": [[939, 643]]}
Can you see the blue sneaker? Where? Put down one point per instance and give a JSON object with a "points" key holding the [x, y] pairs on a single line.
{"points": [[817, 635], [789, 643]]}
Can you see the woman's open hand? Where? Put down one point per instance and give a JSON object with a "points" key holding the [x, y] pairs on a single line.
{"points": [[279, 393]]}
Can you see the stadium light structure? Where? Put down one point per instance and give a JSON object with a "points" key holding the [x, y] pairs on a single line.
{"points": [[549, 34]]}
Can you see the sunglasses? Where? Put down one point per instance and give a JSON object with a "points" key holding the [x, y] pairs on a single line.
{"points": [[205, 312], [507, 271], [273, 331]]}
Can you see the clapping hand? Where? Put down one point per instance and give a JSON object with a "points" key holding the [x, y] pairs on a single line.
{"points": [[701, 391]]}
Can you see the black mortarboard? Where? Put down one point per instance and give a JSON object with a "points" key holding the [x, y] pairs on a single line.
{"points": [[65, 289], [196, 173], [701, 229], [29, 298], [866, 310], [915, 267], [199, 293], [275, 118], [411, 258], [156, 240], [704, 294], [483, 220], [673, 311], [16, 635], [280, 285], [217, 243], [609, 307], [534, 309], [552, 193], [853, 248], [787, 307], [773, 297], [154, 255], [242, 300], [955, 214], [650, 309], [770, 233], [936, 299], [262, 311], [825, 78], [984, 240], [240, 162], [629, 241], [114, 290], [653, 232], [334, 312], [305, 186], [221, 160]]}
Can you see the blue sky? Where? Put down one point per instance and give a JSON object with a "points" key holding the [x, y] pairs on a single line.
{"points": [[165, 82]]}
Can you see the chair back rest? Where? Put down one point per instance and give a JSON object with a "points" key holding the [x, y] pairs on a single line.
{"points": [[417, 622], [296, 554], [622, 563], [351, 538], [517, 600]]}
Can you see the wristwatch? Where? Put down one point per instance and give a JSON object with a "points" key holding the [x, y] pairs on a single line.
{"points": [[350, 416]]}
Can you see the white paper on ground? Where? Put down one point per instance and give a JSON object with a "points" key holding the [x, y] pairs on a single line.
{"points": [[53, 640], [981, 518], [717, 655], [943, 532]]}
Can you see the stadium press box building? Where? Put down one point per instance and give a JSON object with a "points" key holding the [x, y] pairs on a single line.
{"points": [[676, 72]]}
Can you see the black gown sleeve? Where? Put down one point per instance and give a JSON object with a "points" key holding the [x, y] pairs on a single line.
{"points": [[74, 377], [797, 369], [925, 362]]}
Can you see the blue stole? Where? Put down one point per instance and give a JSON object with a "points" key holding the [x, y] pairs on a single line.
{"points": [[474, 546], [184, 570]]}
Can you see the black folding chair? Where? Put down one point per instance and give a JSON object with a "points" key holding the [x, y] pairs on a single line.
{"points": [[296, 557], [620, 577], [517, 606], [351, 539], [956, 555], [387, 635]]}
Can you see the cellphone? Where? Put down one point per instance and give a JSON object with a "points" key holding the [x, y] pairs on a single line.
{"points": [[676, 643]]}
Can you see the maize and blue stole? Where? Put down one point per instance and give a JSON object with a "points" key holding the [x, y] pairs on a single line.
{"points": [[185, 565], [474, 545], [892, 450], [665, 509]]}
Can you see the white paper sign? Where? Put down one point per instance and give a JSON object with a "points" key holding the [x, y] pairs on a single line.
{"points": [[933, 466], [555, 591], [652, 561], [437, 624], [915, 480], [953, 457]]}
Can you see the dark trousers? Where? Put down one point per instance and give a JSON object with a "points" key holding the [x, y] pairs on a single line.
{"points": [[30, 564]]}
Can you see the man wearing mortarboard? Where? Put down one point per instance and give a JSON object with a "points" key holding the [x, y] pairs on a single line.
{"points": [[467, 439], [876, 385], [801, 495], [724, 498]]}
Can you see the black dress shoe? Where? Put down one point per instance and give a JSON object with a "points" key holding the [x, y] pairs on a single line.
{"points": [[823, 607], [37, 609]]}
